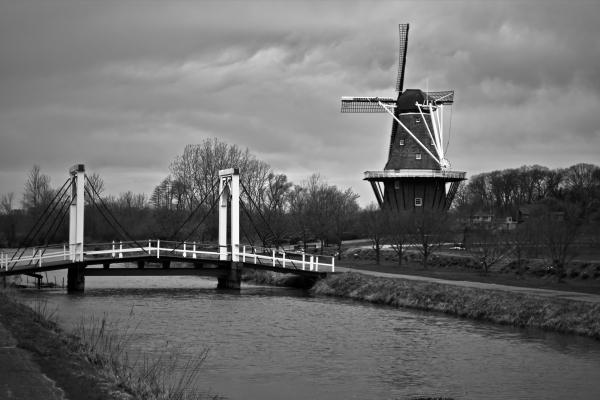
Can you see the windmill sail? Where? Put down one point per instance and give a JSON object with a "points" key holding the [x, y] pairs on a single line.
{"points": [[366, 104], [403, 29]]}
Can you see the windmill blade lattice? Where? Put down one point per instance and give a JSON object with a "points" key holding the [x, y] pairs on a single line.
{"points": [[366, 104], [403, 29]]}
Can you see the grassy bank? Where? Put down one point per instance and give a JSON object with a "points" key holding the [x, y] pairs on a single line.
{"points": [[92, 362], [487, 305]]}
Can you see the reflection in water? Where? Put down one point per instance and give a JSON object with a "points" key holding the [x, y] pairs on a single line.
{"points": [[274, 343]]}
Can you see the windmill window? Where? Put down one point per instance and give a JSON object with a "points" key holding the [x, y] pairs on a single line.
{"points": [[401, 142], [418, 202], [418, 156]]}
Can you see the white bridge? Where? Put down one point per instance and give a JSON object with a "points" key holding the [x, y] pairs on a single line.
{"points": [[224, 260]]}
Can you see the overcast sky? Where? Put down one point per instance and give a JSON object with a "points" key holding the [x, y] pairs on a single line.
{"points": [[123, 86]]}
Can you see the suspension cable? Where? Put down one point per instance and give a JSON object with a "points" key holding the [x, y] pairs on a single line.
{"points": [[200, 223], [260, 214], [253, 224], [127, 234], [64, 211], [29, 238], [208, 193]]}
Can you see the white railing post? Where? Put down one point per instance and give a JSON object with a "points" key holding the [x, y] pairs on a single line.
{"points": [[40, 259], [149, 247], [303, 260], [284, 259], [254, 256], [120, 249], [194, 249], [273, 257], [64, 251], [184, 251], [113, 249], [244, 254], [310, 265], [332, 264], [317, 264], [158, 248]]}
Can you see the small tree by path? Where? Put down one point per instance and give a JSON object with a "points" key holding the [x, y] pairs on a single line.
{"points": [[429, 230], [375, 224], [398, 232], [558, 232], [490, 247]]}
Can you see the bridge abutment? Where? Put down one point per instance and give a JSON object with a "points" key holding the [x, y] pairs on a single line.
{"points": [[233, 280], [75, 279]]}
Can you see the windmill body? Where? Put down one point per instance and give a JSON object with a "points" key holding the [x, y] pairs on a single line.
{"points": [[417, 175]]}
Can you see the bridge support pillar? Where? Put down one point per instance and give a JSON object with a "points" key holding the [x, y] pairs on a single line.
{"points": [[75, 279], [233, 280]]}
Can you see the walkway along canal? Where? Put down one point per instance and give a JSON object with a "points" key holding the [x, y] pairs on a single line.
{"points": [[273, 343]]}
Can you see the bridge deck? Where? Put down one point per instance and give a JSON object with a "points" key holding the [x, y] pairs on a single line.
{"points": [[159, 258]]}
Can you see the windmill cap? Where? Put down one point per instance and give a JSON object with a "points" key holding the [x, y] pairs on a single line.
{"points": [[407, 100]]}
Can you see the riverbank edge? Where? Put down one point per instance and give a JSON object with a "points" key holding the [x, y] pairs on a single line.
{"points": [[94, 367], [56, 352], [497, 306]]}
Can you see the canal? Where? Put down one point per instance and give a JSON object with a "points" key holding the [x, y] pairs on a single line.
{"points": [[281, 343]]}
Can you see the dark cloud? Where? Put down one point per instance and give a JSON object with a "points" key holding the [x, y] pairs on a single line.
{"points": [[124, 86]]}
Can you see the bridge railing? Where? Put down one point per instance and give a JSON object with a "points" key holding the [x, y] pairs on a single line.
{"points": [[287, 259], [267, 256], [34, 256]]}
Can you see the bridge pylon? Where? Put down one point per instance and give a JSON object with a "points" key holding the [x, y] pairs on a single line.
{"points": [[229, 223], [75, 276]]}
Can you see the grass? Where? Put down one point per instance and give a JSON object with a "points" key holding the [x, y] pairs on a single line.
{"points": [[496, 306], [105, 344], [93, 362], [459, 267]]}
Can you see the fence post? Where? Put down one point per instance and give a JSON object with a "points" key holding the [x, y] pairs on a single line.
{"points": [[310, 265], [149, 247], [40, 258], [244, 254], [284, 259], [158, 248], [254, 256], [120, 249], [332, 264], [184, 252], [194, 248], [64, 251], [303, 260], [273, 257], [113, 249], [317, 264]]}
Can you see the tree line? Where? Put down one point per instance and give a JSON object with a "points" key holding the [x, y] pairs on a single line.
{"points": [[182, 206], [553, 210]]}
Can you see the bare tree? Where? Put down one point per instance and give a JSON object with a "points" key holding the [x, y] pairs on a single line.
{"points": [[6, 203], [490, 246], [558, 231], [197, 169], [398, 229], [429, 231], [37, 192], [374, 221]]}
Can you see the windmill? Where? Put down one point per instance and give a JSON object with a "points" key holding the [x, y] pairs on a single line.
{"points": [[417, 175]]}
